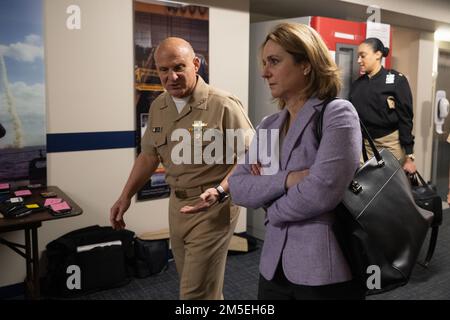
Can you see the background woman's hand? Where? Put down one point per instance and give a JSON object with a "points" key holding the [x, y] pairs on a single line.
{"points": [[409, 166]]}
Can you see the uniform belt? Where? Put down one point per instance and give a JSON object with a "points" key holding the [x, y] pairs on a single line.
{"points": [[192, 192]]}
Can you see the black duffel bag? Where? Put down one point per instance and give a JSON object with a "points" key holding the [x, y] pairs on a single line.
{"points": [[101, 257]]}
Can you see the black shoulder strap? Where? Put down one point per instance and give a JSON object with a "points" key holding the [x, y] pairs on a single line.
{"points": [[319, 124]]}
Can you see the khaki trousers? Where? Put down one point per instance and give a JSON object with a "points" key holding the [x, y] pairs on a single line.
{"points": [[200, 245], [390, 142]]}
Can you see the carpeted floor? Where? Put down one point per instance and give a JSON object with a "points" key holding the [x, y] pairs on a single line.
{"points": [[241, 278]]}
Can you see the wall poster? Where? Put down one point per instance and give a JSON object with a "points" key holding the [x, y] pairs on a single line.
{"points": [[22, 94], [153, 22]]}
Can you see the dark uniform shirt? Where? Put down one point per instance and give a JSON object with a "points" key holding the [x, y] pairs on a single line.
{"points": [[384, 104]]}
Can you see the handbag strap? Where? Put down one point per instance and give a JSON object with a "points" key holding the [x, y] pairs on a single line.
{"points": [[422, 181], [365, 133], [375, 152], [319, 124]]}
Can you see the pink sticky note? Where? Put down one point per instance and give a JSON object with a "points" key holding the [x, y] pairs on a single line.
{"points": [[60, 206], [21, 193], [50, 201], [4, 186]]}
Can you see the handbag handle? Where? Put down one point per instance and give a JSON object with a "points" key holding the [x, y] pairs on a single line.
{"points": [[422, 181], [375, 152], [420, 178]]}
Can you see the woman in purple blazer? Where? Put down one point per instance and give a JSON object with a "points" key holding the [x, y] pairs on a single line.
{"points": [[301, 258]]}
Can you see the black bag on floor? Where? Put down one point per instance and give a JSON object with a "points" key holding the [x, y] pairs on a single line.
{"points": [[151, 257], [427, 198], [103, 257]]}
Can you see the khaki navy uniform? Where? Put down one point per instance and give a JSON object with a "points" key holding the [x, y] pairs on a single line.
{"points": [[199, 241]]}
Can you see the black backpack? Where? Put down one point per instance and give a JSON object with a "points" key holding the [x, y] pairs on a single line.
{"points": [[103, 256]]}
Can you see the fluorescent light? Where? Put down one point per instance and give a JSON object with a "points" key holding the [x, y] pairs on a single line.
{"points": [[442, 34], [168, 3]]}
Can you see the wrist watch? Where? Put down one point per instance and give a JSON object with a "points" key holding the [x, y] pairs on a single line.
{"points": [[411, 156], [222, 194]]}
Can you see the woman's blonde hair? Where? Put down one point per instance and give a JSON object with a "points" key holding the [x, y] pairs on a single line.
{"points": [[306, 45]]}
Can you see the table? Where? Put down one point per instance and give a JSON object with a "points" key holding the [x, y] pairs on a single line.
{"points": [[30, 225]]}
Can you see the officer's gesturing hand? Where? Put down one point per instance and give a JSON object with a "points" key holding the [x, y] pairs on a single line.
{"points": [[207, 199]]}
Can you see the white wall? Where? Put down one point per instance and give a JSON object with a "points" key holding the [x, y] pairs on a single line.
{"points": [[413, 56], [89, 88], [424, 104]]}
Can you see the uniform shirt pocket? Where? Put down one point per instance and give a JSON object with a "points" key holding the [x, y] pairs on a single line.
{"points": [[160, 143], [160, 140]]}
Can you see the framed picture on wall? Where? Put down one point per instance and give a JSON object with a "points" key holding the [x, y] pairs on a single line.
{"points": [[153, 22], [22, 94]]}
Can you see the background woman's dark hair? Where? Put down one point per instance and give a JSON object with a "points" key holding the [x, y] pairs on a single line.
{"points": [[377, 45]]}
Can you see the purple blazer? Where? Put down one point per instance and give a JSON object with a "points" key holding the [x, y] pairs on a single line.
{"points": [[299, 220]]}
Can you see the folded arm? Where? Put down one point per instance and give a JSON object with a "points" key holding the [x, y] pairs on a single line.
{"points": [[336, 162]]}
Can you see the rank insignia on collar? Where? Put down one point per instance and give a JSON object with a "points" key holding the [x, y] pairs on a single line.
{"points": [[156, 129]]}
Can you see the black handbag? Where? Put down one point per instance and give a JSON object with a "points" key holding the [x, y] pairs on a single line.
{"points": [[378, 224], [427, 198]]}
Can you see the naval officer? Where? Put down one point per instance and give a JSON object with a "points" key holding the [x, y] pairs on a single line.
{"points": [[199, 241]]}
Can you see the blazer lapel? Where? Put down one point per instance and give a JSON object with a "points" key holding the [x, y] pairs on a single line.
{"points": [[294, 133]]}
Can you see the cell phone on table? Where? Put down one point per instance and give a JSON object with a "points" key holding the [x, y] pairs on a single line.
{"points": [[49, 194], [60, 208]]}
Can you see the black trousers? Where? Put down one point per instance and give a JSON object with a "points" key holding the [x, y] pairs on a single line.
{"points": [[280, 288]]}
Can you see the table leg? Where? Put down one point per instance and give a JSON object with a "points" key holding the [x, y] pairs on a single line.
{"points": [[36, 274], [28, 262]]}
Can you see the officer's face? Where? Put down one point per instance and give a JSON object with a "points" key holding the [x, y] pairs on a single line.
{"points": [[285, 77], [368, 59], [177, 69]]}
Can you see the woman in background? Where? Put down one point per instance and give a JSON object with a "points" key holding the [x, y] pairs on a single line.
{"points": [[384, 103]]}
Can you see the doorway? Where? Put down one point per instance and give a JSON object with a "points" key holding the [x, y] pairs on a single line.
{"points": [[441, 152]]}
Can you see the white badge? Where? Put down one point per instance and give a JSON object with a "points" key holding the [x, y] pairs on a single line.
{"points": [[390, 78]]}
